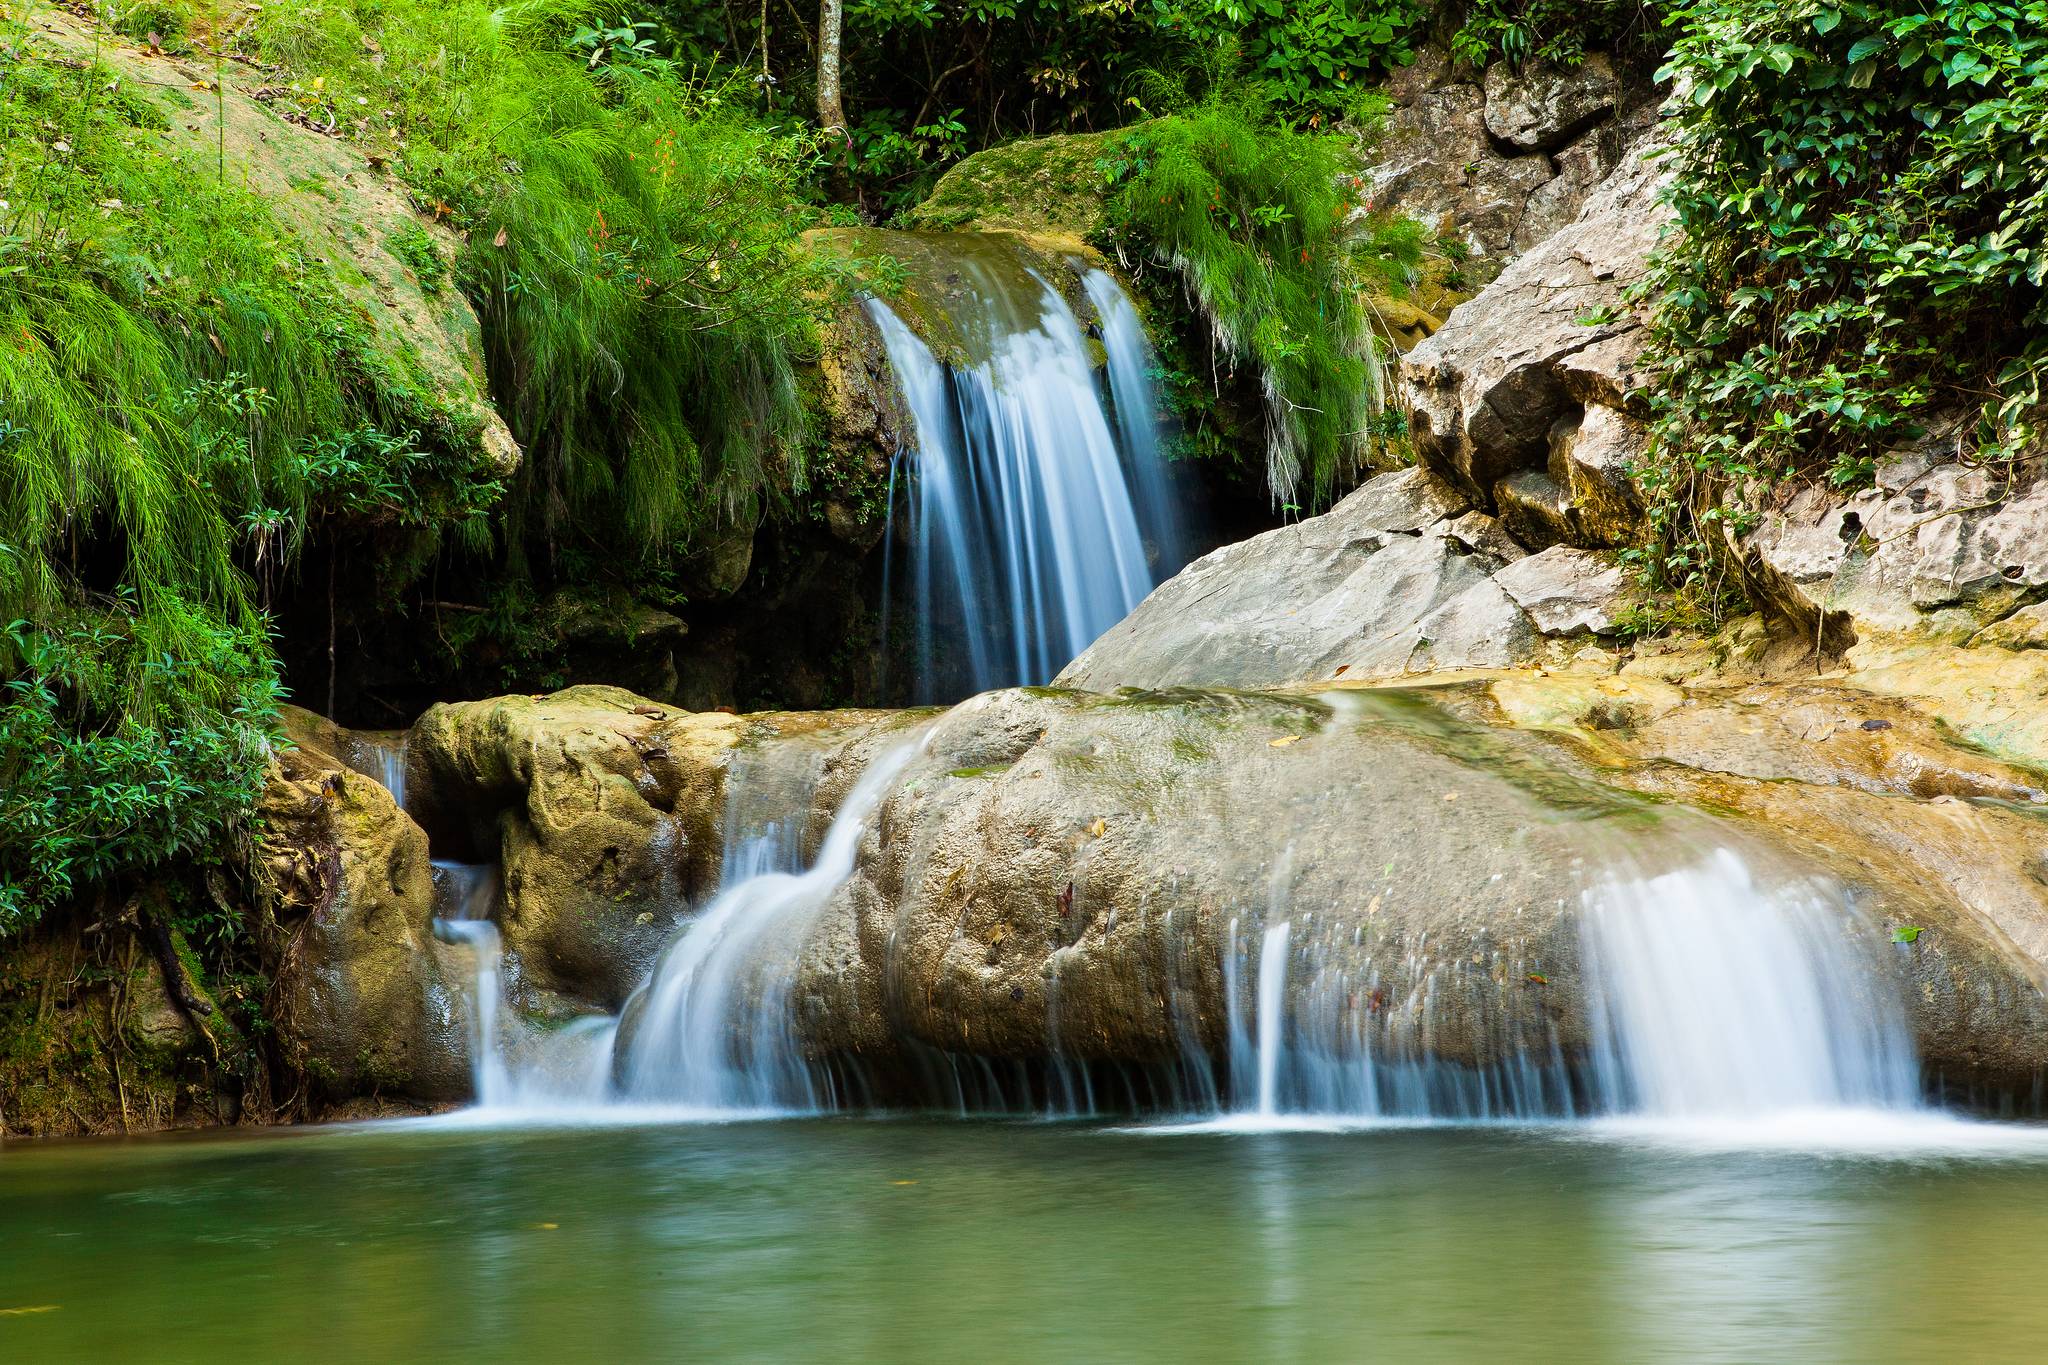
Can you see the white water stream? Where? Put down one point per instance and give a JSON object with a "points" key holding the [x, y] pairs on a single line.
{"points": [[1031, 528], [714, 1029]]}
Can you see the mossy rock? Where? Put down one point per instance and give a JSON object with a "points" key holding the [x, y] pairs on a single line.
{"points": [[1044, 184]]}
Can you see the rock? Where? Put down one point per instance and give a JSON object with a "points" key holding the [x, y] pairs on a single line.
{"points": [[1541, 106], [362, 996], [1595, 458], [1061, 877], [1342, 593], [1485, 390], [605, 812], [1567, 591], [1534, 509], [2026, 628], [1944, 552]]}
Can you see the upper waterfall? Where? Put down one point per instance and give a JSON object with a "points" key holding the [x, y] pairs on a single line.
{"points": [[1035, 508]]}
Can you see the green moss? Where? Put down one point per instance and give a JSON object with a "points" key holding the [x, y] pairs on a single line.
{"points": [[416, 249], [1043, 184]]}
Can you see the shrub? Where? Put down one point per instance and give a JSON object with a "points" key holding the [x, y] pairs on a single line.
{"points": [[1277, 257], [1862, 191]]}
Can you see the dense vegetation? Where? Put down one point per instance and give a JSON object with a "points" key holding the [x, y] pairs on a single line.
{"points": [[1862, 187], [1261, 229]]}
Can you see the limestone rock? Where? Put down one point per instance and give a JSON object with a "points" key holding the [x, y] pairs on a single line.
{"points": [[1595, 458], [1946, 552], [362, 994], [1541, 106], [1485, 390], [1567, 591], [1061, 876], [604, 810], [1342, 593]]}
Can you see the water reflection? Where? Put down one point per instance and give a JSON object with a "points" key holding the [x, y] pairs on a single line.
{"points": [[909, 1240]]}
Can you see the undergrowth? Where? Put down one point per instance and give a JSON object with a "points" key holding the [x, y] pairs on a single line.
{"points": [[1861, 188], [1263, 228]]}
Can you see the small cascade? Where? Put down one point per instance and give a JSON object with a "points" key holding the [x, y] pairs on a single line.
{"points": [[714, 1029], [1714, 997], [381, 755], [514, 1065], [1031, 528], [1272, 1013], [1710, 994], [468, 894]]}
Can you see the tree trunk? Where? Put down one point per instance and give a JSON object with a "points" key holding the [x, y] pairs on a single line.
{"points": [[831, 116]]}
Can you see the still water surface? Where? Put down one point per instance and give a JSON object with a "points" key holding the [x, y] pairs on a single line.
{"points": [[907, 1240]]}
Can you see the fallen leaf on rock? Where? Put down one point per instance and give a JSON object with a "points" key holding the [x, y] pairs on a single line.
{"points": [[1284, 741], [1099, 828], [1538, 979]]}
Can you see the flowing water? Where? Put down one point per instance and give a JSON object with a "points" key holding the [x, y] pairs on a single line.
{"points": [[913, 1240], [713, 1025], [1037, 513]]}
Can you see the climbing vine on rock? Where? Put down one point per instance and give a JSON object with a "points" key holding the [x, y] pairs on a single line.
{"points": [[1862, 206]]}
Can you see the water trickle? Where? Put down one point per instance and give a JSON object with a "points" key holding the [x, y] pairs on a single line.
{"points": [[1272, 1013], [467, 896], [1031, 528], [381, 756], [714, 1029]]}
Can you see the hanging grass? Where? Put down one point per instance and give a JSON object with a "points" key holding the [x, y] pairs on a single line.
{"points": [[1262, 227]]}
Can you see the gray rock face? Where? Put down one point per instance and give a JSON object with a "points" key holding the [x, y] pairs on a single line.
{"points": [[1540, 107], [1937, 548], [1441, 162], [1550, 335], [1355, 592], [1568, 591]]}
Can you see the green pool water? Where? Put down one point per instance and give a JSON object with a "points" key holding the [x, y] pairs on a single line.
{"points": [[881, 1240]]}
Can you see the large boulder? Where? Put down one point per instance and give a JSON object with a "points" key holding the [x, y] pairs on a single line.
{"points": [[365, 1001], [1553, 335], [605, 811], [1069, 878]]}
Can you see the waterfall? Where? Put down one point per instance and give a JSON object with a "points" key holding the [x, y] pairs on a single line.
{"points": [[467, 896], [1030, 528], [1272, 1013], [1712, 996], [514, 1064], [714, 1029], [381, 756]]}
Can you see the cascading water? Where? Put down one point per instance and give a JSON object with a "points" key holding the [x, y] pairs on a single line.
{"points": [[468, 894], [514, 1065], [1714, 996], [381, 756], [714, 1029], [1711, 994], [1031, 528]]}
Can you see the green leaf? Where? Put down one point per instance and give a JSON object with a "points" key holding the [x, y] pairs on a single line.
{"points": [[1906, 933]]}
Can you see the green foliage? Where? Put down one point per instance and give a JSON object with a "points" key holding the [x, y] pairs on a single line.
{"points": [[173, 373], [1558, 31], [1863, 191], [415, 246], [929, 81], [95, 785], [632, 250], [1260, 226]]}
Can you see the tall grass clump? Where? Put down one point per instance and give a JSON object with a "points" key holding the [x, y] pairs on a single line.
{"points": [[632, 250], [173, 377], [1262, 225]]}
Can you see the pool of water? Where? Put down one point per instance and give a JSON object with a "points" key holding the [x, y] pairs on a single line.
{"points": [[981, 1241]]}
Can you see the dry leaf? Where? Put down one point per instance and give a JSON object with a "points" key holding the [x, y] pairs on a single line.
{"points": [[1450, 796], [1099, 828], [1284, 741]]}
